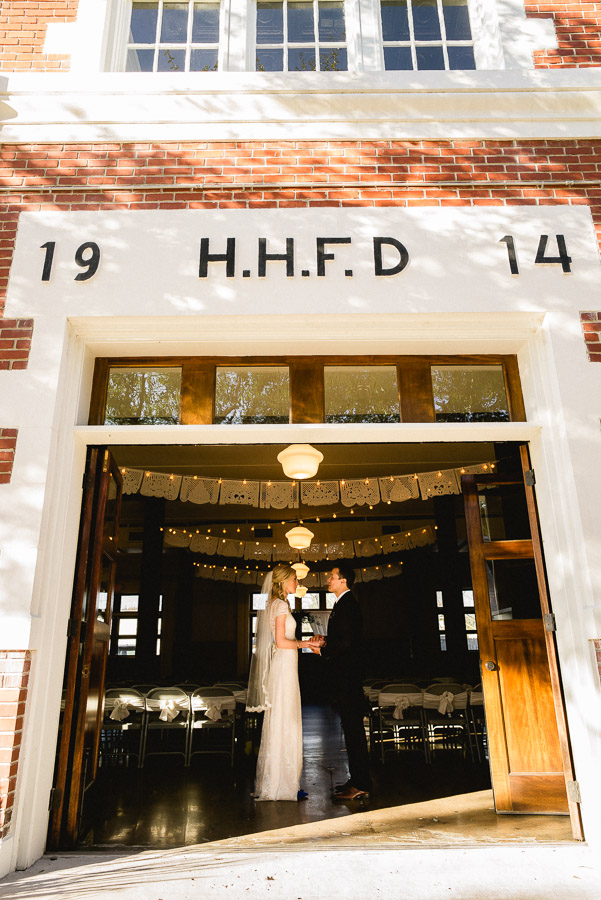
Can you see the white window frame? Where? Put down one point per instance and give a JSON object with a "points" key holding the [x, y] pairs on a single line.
{"points": [[503, 37], [350, 42], [412, 44]]}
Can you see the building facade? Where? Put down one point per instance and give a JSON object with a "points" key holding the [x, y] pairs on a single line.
{"points": [[236, 179]]}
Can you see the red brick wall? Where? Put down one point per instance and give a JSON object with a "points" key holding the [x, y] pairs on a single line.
{"points": [[591, 327], [23, 32], [8, 443], [14, 678], [578, 29], [15, 343]]}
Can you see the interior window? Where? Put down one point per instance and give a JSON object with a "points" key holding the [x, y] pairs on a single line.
{"points": [[426, 34], [173, 37], [301, 36]]}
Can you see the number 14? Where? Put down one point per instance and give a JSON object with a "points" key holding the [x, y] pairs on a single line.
{"points": [[541, 259]]}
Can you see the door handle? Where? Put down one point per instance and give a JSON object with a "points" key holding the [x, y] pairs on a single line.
{"points": [[490, 665]]}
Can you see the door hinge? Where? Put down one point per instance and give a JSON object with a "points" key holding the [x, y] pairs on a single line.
{"points": [[549, 621], [529, 478], [72, 627], [574, 791], [54, 801]]}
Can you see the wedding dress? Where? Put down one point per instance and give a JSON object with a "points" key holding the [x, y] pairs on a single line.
{"points": [[280, 757]]}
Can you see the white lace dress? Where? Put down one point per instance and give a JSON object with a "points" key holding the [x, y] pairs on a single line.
{"points": [[280, 757]]}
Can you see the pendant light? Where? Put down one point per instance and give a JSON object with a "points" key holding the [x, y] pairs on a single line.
{"points": [[299, 537], [300, 461], [300, 591], [301, 570]]}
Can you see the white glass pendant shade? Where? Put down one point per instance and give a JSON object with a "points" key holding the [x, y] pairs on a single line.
{"points": [[299, 537], [301, 570], [300, 591], [300, 461]]}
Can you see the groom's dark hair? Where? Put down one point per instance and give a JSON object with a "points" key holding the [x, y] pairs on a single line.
{"points": [[346, 571]]}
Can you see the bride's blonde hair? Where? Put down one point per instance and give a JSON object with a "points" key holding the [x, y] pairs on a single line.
{"points": [[281, 573]]}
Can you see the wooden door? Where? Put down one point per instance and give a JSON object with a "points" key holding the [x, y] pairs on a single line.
{"points": [[87, 647], [530, 759]]}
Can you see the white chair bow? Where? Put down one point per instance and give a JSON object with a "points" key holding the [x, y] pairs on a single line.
{"points": [[213, 712], [169, 711], [120, 710], [447, 703], [401, 703]]}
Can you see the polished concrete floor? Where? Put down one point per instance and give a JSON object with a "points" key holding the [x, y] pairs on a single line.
{"points": [[165, 805]]}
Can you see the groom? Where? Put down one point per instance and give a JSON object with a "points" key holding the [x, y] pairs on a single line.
{"points": [[342, 653]]}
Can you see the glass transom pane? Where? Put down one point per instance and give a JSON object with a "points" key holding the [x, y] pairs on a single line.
{"points": [[257, 394], [469, 394], [143, 396], [361, 394]]}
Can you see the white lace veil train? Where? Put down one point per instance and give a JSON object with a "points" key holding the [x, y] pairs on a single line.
{"points": [[257, 699]]}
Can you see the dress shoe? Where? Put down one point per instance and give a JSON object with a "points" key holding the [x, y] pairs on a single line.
{"points": [[351, 793]]}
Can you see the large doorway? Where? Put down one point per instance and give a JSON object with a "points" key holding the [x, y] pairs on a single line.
{"points": [[180, 609]]}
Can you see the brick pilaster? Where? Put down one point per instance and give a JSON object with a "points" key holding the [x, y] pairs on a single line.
{"points": [[14, 679]]}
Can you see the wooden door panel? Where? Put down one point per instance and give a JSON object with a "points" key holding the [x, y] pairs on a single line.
{"points": [[531, 794], [528, 713]]}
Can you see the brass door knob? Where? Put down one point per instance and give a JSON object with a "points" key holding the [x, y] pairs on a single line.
{"points": [[490, 665]]}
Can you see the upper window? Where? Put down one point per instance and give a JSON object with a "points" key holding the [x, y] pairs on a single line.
{"points": [[426, 34], [301, 36], [173, 37]]}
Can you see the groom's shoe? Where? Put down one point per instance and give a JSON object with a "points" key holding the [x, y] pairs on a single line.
{"points": [[351, 793]]}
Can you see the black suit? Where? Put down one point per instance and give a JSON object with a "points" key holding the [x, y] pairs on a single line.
{"points": [[342, 654]]}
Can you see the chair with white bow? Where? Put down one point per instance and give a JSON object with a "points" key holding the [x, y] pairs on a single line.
{"points": [[213, 722], [167, 723], [400, 722], [445, 714], [122, 731]]}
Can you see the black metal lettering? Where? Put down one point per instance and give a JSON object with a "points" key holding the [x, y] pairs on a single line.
{"points": [[49, 247], [264, 256], [400, 248], [229, 258], [322, 256], [91, 263]]}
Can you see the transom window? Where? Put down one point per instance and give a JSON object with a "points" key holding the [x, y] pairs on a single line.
{"points": [[173, 37], [426, 34], [301, 36]]}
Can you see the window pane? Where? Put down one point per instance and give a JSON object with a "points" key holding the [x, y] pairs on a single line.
{"points": [[361, 394], [461, 58], [396, 58], [470, 621], [429, 58], [128, 627], [513, 589], [333, 60], [469, 394], [143, 26], [258, 602], [259, 394], [129, 603], [158, 651], [203, 60], [330, 601], [331, 22], [395, 21], [174, 27], [468, 598], [441, 622], [270, 23], [171, 61], [504, 512], [270, 60], [426, 26], [311, 601], [205, 23], [439, 600], [457, 20], [472, 642], [143, 396], [443, 642], [301, 25], [302, 59], [140, 60], [126, 647]]}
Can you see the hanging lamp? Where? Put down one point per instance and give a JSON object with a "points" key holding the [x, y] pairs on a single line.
{"points": [[301, 570], [299, 537], [300, 461]]}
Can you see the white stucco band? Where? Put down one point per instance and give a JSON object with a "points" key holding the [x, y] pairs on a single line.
{"points": [[456, 294]]}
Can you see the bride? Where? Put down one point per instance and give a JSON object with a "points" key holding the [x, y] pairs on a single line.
{"points": [[273, 688]]}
